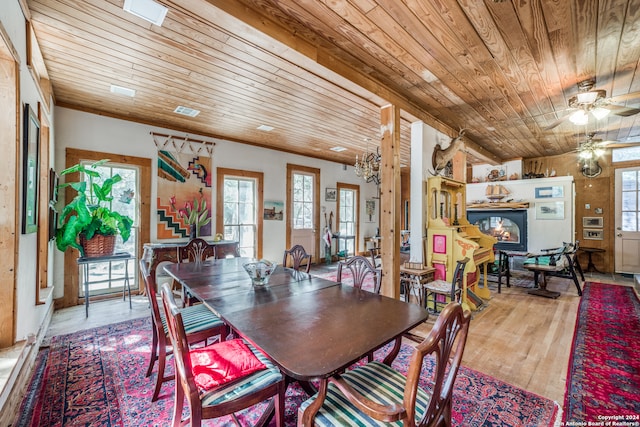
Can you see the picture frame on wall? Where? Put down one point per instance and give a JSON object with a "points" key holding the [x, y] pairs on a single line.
{"points": [[273, 210], [550, 210], [556, 191], [330, 194], [370, 211], [30, 170], [592, 222], [592, 234]]}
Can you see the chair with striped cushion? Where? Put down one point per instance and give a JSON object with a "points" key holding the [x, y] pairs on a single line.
{"points": [[360, 268], [199, 323], [376, 394], [446, 291], [299, 258], [222, 378]]}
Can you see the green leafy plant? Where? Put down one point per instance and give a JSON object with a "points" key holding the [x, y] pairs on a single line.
{"points": [[89, 213]]}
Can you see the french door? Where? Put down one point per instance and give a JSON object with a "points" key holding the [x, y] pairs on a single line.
{"points": [[348, 208], [627, 220], [303, 214]]}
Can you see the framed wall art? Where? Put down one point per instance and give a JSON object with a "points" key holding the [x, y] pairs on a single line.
{"points": [[550, 210], [30, 169], [330, 194], [593, 234], [592, 222], [549, 192], [273, 210]]}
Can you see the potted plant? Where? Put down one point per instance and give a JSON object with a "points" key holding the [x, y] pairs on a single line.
{"points": [[87, 223]]}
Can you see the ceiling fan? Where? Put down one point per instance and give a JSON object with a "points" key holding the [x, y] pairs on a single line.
{"points": [[594, 102], [593, 147]]}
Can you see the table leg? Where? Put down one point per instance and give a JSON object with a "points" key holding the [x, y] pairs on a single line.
{"points": [[86, 290]]}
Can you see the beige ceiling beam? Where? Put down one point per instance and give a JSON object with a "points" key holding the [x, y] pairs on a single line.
{"points": [[308, 55]]}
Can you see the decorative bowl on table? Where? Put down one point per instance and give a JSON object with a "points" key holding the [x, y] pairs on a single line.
{"points": [[259, 271]]}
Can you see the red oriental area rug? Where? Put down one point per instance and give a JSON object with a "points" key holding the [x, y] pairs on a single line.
{"points": [[603, 379], [96, 378]]}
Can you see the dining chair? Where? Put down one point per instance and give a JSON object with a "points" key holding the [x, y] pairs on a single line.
{"points": [[376, 257], [361, 268], [199, 323], [196, 250], [221, 378], [448, 291], [298, 256], [375, 393]]}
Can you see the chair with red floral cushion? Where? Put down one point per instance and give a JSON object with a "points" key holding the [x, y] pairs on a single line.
{"points": [[199, 322], [222, 378]]}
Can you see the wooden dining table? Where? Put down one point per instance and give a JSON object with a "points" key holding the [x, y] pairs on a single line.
{"points": [[310, 327]]}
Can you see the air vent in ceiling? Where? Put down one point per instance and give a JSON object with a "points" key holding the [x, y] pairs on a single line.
{"points": [[148, 10], [186, 111], [120, 90]]}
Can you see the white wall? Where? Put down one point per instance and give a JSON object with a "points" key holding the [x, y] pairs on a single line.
{"points": [[93, 132], [541, 233], [29, 315], [423, 141]]}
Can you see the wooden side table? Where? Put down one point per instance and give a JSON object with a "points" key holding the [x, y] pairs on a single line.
{"points": [[415, 278], [590, 251]]}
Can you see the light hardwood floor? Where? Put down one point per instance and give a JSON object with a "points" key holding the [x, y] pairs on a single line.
{"points": [[521, 339]]}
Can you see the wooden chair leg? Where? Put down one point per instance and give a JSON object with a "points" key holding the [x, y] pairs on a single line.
{"points": [[154, 353], [178, 404]]}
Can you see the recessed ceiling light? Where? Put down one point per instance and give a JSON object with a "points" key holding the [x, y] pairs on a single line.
{"points": [[148, 10], [120, 90], [338, 149], [186, 111], [491, 128], [265, 128]]}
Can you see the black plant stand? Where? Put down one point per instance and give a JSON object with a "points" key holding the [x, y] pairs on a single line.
{"points": [[85, 262]]}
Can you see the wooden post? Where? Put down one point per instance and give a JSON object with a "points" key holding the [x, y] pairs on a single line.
{"points": [[390, 200]]}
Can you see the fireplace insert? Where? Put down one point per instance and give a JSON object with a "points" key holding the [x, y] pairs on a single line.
{"points": [[509, 226]]}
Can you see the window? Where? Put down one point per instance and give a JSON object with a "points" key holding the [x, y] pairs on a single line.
{"points": [[240, 209], [630, 201], [625, 154], [109, 277], [302, 201]]}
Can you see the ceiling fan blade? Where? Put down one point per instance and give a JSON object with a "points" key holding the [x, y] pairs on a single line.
{"points": [[557, 122], [622, 98], [619, 110], [622, 145]]}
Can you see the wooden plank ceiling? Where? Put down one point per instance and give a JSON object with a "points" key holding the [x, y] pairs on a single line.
{"points": [[318, 71]]}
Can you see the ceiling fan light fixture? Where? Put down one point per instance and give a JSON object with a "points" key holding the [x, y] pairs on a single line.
{"points": [[587, 97], [600, 113], [579, 118], [586, 154]]}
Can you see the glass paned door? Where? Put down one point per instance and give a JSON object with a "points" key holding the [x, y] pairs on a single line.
{"points": [[348, 218], [303, 209], [627, 220], [109, 277], [240, 213]]}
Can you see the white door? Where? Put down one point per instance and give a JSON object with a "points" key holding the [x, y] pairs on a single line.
{"points": [[627, 220], [303, 211]]}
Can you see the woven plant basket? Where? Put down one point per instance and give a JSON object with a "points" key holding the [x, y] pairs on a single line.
{"points": [[99, 245]]}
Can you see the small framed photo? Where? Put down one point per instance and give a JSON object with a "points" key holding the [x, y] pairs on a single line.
{"points": [[592, 222], [273, 210], [330, 194], [549, 192], [591, 234], [550, 210]]}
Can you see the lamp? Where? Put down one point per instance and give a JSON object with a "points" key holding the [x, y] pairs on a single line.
{"points": [[369, 167], [580, 117], [600, 113]]}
